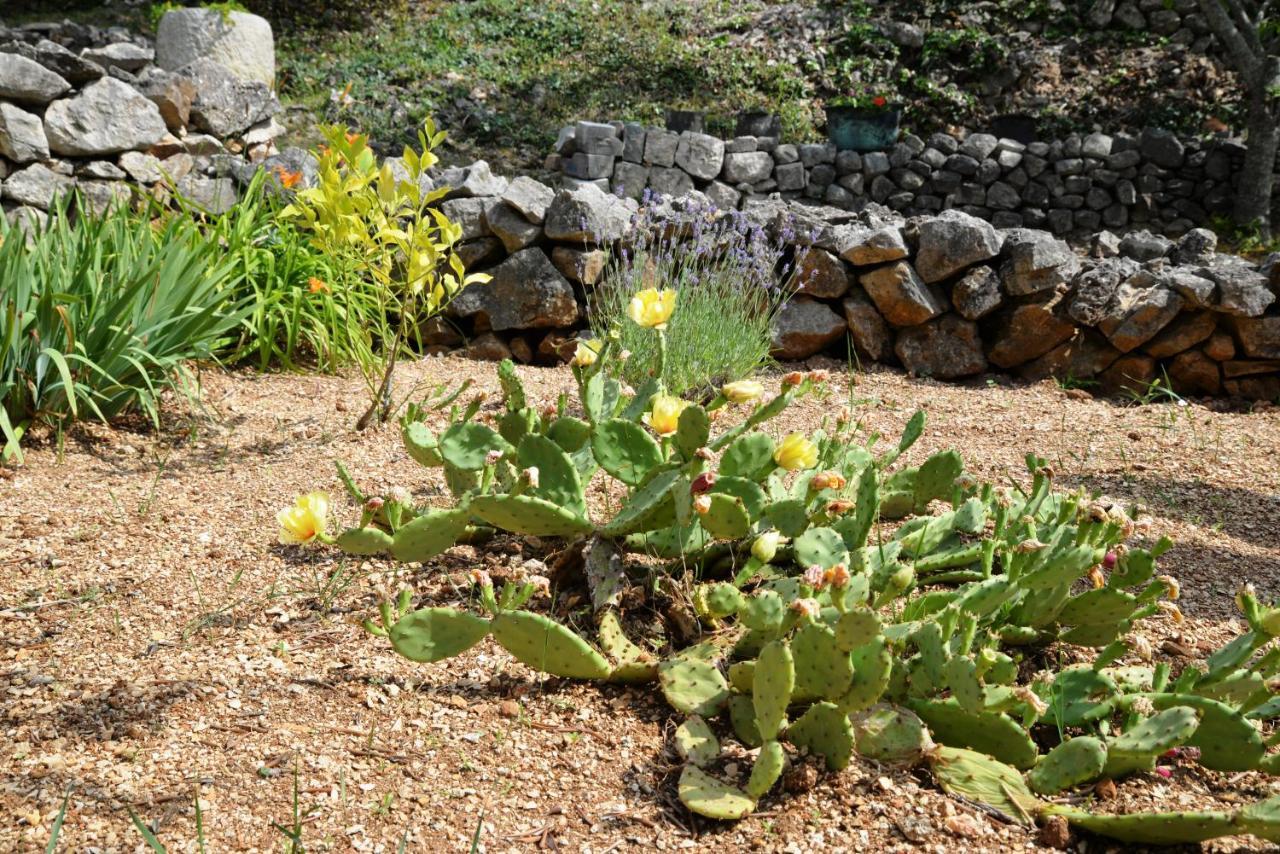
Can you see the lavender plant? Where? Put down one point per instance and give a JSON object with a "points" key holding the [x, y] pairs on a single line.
{"points": [[732, 276]]}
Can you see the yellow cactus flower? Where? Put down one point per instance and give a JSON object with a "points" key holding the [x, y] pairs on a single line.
{"points": [[652, 308], [795, 452], [587, 352], [743, 391], [664, 414], [305, 520]]}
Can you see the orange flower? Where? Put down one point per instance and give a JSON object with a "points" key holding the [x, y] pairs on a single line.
{"points": [[287, 179], [352, 137], [317, 285]]}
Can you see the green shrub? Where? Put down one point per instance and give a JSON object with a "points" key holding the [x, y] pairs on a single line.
{"points": [[727, 275], [98, 315]]}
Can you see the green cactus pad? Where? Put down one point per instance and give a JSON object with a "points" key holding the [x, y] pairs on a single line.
{"points": [[669, 543], [971, 516], [980, 778], [1080, 695], [527, 514], [822, 669], [558, 480], [981, 598], [364, 541], [773, 682], [631, 663], [1071, 763], [1168, 828], [722, 598], [895, 503], [768, 768], [696, 743], [822, 547], [927, 672], [1062, 567], [891, 734], [543, 644], [421, 444], [936, 477], [707, 796], [742, 676], [961, 676], [742, 716], [570, 433], [856, 527], [856, 628], [753, 497], [749, 456], [994, 734], [648, 508], [466, 444], [763, 612], [824, 730], [872, 669], [1226, 738], [1103, 605], [1139, 746], [788, 516], [727, 518], [433, 634], [625, 450], [459, 481], [430, 534], [692, 685], [692, 430]]}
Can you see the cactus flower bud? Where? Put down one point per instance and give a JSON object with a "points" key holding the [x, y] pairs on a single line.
{"points": [[814, 576], [481, 577], [702, 483], [530, 476], [305, 520], [902, 578], [1246, 591], [1270, 621], [587, 352], [1109, 560], [702, 504], [491, 458], [1175, 613], [1141, 647], [844, 416], [1045, 471], [1031, 698], [792, 379], [1029, 545], [549, 412], [743, 391], [1096, 578], [827, 480], [819, 376], [1163, 771], [806, 607], [766, 546], [400, 495], [704, 454], [839, 508], [966, 481], [374, 504], [838, 576]]}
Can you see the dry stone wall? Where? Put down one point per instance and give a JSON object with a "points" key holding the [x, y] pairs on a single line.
{"points": [[89, 109], [1071, 187], [947, 295]]}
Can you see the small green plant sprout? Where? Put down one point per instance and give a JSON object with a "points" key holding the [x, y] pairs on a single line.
{"points": [[823, 599], [388, 226]]}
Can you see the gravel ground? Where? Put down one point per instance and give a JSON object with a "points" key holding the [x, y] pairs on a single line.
{"points": [[155, 641]]}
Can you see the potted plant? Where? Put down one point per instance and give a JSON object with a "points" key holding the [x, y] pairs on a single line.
{"points": [[863, 119]]}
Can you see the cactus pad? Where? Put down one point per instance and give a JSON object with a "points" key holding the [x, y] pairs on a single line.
{"points": [[753, 497], [696, 743], [962, 678], [707, 796], [820, 546], [631, 663], [749, 456], [763, 612], [527, 514], [543, 644], [429, 535], [727, 518], [433, 634], [872, 669], [1139, 746], [825, 731], [466, 444], [992, 733], [558, 480], [742, 716], [570, 433], [693, 685], [788, 516], [648, 508], [1227, 740], [421, 444], [768, 768], [822, 669], [856, 628], [1169, 828], [773, 682], [1071, 763], [891, 734], [980, 778], [364, 541], [625, 450], [693, 429]]}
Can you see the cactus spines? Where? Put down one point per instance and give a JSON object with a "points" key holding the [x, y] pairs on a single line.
{"points": [[625, 450], [935, 478], [753, 497], [429, 535], [742, 716], [1228, 741], [749, 456], [788, 516], [1071, 763], [434, 634], [768, 768], [856, 628], [821, 668], [543, 644], [890, 734], [693, 430], [872, 669], [707, 796], [988, 781], [992, 733], [726, 517], [855, 528], [1137, 748], [773, 681], [693, 684], [824, 730], [364, 541], [763, 612], [558, 480], [696, 743], [961, 675], [631, 663], [528, 514], [820, 547]]}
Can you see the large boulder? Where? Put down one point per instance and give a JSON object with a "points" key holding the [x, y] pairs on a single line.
{"points": [[1096, 287], [1140, 309], [587, 214], [1037, 261], [36, 186], [872, 337], [226, 105], [951, 241], [1242, 290], [27, 81], [945, 348], [56, 58], [526, 292], [22, 138], [1027, 331], [803, 327], [901, 295], [820, 274], [106, 117], [238, 40]]}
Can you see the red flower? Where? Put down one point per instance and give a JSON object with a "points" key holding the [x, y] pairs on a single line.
{"points": [[878, 100]]}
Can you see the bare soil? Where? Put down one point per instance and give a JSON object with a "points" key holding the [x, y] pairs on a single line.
{"points": [[156, 642]]}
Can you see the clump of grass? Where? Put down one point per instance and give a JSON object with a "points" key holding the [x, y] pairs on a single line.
{"points": [[731, 277]]}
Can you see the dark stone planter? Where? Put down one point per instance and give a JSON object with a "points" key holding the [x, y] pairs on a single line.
{"points": [[856, 129], [758, 124], [1018, 127], [686, 120]]}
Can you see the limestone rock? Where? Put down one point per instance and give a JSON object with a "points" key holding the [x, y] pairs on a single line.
{"points": [[1037, 261], [1145, 246], [1137, 313], [487, 347], [27, 81], [586, 214], [1198, 291], [1186, 331], [471, 215], [466, 182], [747, 167], [238, 40], [226, 105], [900, 294], [820, 274], [106, 117], [57, 59], [862, 245], [803, 327], [584, 266], [1194, 373], [511, 227], [123, 55], [22, 138], [952, 241], [526, 292], [1096, 287], [700, 155], [215, 195], [977, 294], [1242, 290], [1132, 373], [1083, 356], [1197, 246], [1259, 336], [36, 186], [872, 337], [172, 94], [530, 197], [99, 196], [1028, 331], [143, 168], [945, 348]]}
